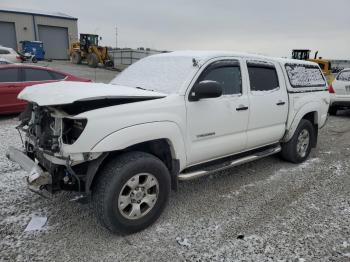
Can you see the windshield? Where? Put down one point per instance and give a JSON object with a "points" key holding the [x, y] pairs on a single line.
{"points": [[161, 73]]}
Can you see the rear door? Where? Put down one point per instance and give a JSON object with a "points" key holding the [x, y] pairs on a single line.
{"points": [[268, 100], [10, 86]]}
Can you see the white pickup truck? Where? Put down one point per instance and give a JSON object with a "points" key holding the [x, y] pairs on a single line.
{"points": [[169, 117]]}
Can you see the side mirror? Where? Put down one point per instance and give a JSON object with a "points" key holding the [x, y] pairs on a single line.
{"points": [[205, 89]]}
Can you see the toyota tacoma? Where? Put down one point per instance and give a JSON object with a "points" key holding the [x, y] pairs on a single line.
{"points": [[167, 118]]}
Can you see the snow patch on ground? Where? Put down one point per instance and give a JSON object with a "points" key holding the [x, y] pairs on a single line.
{"points": [[183, 242]]}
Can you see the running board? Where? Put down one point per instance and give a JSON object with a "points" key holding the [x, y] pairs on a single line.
{"points": [[229, 164]]}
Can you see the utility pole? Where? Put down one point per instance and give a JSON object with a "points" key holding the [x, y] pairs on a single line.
{"points": [[116, 37]]}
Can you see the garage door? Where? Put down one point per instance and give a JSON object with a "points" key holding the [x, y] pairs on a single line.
{"points": [[8, 35], [55, 41]]}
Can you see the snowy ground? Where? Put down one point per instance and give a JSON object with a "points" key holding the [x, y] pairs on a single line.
{"points": [[267, 210]]}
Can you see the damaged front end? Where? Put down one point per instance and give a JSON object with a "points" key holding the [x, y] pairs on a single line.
{"points": [[44, 132]]}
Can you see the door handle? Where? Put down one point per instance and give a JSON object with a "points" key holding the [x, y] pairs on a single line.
{"points": [[280, 103], [241, 108]]}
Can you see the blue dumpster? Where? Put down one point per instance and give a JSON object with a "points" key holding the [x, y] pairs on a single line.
{"points": [[35, 48]]}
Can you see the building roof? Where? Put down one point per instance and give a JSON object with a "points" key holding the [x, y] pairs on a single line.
{"points": [[37, 13]]}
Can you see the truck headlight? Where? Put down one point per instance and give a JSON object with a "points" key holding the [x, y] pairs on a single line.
{"points": [[72, 129]]}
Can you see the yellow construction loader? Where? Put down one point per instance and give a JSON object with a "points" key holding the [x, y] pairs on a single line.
{"points": [[325, 65], [88, 50]]}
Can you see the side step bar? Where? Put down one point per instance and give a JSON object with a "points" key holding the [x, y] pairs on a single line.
{"points": [[236, 162]]}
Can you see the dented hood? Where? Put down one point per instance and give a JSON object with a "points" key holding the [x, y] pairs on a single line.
{"points": [[65, 92]]}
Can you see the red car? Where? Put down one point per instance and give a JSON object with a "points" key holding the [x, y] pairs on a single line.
{"points": [[15, 77]]}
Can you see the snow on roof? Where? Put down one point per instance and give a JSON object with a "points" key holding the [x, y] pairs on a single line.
{"points": [[206, 55], [37, 12]]}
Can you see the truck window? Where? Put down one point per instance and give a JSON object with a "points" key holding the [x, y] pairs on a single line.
{"points": [[262, 77], [227, 73], [301, 75]]}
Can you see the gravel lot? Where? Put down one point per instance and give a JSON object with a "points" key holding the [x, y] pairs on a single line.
{"points": [[267, 210]]}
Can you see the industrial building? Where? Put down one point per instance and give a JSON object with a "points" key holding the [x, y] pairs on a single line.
{"points": [[55, 30]]}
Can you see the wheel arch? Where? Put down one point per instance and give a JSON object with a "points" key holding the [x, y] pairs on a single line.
{"points": [[161, 139], [160, 148], [124, 138], [309, 112]]}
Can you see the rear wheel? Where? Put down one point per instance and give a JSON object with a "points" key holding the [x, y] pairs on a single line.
{"points": [[298, 148], [131, 192], [92, 60], [333, 110]]}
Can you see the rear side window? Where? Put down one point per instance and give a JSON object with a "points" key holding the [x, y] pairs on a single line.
{"points": [[344, 76], [4, 52], [31, 74], [262, 76], [57, 76], [9, 75], [227, 73], [305, 75]]}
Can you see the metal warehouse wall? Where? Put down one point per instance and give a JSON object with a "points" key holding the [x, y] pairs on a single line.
{"points": [[126, 57], [72, 25], [340, 64], [21, 21], [25, 29]]}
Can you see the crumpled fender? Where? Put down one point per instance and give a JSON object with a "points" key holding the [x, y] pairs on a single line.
{"points": [[139, 133]]}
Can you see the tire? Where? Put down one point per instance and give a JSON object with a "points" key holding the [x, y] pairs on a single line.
{"points": [[290, 149], [76, 58], [112, 188], [92, 60], [109, 63], [34, 60], [333, 110]]}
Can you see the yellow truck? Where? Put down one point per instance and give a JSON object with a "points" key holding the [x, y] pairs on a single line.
{"points": [[325, 65]]}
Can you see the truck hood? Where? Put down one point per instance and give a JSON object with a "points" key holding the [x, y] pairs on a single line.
{"points": [[66, 92]]}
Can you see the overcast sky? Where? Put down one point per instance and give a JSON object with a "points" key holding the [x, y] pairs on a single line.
{"points": [[271, 27]]}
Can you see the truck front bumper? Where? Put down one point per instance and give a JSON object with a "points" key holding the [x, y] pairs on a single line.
{"points": [[37, 177]]}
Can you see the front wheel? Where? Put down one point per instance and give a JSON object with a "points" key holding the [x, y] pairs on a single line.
{"points": [[92, 60], [298, 148], [131, 192], [76, 58]]}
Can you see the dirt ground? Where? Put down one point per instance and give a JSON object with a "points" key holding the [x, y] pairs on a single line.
{"points": [[268, 210]]}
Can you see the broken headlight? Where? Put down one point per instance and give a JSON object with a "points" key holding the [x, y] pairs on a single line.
{"points": [[72, 129]]}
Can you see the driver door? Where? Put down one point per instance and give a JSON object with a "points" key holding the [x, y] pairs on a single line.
{"points": [[217, 126]]}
